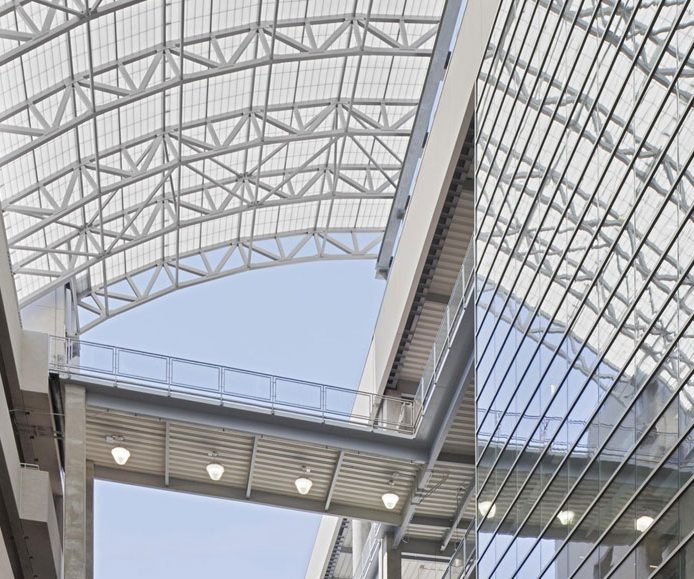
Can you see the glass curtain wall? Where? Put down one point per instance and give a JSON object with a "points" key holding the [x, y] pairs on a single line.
{"points": [[585, 291]]}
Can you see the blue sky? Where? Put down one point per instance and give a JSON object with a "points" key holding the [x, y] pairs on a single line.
{"points": [[312, 321]]}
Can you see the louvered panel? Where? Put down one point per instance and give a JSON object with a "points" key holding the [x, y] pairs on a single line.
{"points": [[456, 244], [144, 438], [190, 445], [453, 484], [418, 349], [418, 569], [279, 462], [363, 480], [461, 436], [426, 532]]}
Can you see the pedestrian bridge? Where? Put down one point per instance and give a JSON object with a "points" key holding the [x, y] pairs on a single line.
{"points": [[159, 374], [175, 415]]}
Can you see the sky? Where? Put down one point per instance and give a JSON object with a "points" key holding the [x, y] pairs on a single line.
{"points": [[311, 321]]}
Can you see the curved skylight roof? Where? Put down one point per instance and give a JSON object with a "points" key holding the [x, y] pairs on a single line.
{"points": [[131, 166]]}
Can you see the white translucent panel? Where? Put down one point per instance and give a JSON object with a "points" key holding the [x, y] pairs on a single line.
{"points": [[228, 14], [344, 213], [296, 216], [319, 80], [373, 213], [138, 27], [102, 35], [270, 122]]}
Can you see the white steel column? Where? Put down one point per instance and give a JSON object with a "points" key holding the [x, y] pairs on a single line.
{"points": [[389, 560], [75, 504], [360, 530], [89, 520]]}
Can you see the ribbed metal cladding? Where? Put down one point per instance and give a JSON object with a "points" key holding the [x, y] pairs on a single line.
{"points": [[181, 450], [585, 294]]}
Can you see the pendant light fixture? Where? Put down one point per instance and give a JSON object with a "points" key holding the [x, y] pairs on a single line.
{"points": [[390, 499], [119, 453], [566, 517], [214, 469], [643, 522], [303, 483], [487, 509]]}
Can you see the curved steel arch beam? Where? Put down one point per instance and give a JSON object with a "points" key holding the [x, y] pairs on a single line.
{"points": [[171, 59], [56, 128], [395, 114], [46, 29], [95, 305], [57, 212], [124, 241], [134, 176], [137, 193]]}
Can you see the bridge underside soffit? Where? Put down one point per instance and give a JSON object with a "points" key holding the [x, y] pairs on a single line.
{"points": [[262, 469]]}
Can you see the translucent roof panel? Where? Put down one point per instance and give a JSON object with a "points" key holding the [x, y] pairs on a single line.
{"points": [[147, 145]]}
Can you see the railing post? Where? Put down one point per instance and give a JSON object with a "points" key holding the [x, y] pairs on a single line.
{"points": [[381, 413], [465, 551], [68, 353]]}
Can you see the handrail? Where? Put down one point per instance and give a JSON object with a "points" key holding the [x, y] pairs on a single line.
{"points": [[229, 386], [463, 560], [447, 328]]}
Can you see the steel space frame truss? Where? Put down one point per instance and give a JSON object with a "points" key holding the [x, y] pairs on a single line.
{"points": [[248, 171]]}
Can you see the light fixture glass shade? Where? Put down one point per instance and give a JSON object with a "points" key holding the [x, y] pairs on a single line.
{"points": [[487, 508], [566, 517], [390, 500], [303, 485], [642, 523], [120, 454], [215, 470]]}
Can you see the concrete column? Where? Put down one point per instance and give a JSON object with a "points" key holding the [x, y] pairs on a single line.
{"points": [[47, 314], [360, 530], [390, 560], [90, 519], [75, 502]]}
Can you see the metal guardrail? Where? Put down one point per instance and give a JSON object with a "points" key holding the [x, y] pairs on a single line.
{"points": [[225, 385], [463, 560], [448, 325], [228, 386]]}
